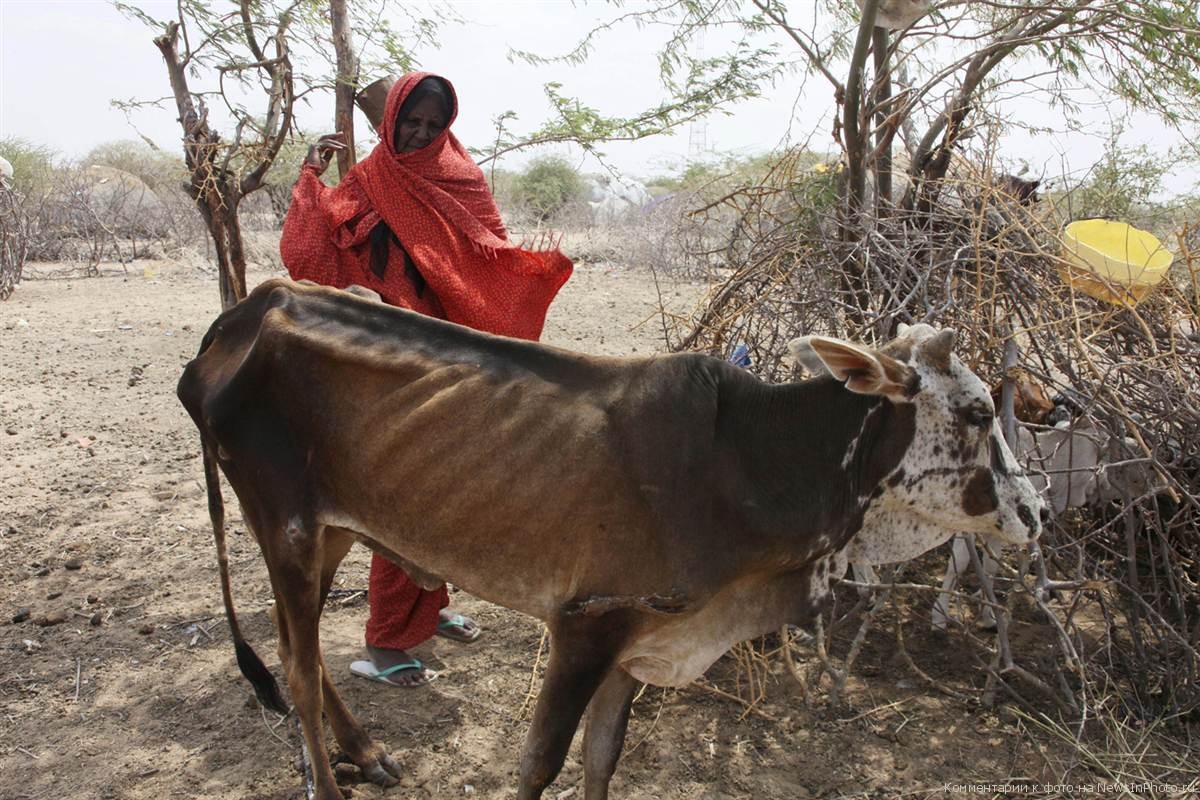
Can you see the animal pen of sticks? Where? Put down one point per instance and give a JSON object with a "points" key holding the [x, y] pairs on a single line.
{"points": [[1115, 586], [14, 241]]}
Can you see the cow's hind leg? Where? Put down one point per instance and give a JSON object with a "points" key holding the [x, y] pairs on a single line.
{"points": [[296, 579], [608, 717], [581, 652], [370, 756]]}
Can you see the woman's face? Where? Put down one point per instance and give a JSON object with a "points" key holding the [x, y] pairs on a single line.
{"points": [[422, 125]]}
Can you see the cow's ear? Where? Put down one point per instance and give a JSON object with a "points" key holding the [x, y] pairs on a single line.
{"points": [[864, 370], [801, 350]]}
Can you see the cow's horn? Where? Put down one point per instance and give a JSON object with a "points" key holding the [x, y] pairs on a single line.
{"points": [[937, 350]]}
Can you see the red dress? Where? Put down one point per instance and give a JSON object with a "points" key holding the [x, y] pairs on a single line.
{"points": [[438, 205]]}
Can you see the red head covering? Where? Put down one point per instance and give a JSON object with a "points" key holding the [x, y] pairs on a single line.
{"points": [[438, 204]]}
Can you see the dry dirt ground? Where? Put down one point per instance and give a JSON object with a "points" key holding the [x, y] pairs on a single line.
{"points": [[135, 693]]}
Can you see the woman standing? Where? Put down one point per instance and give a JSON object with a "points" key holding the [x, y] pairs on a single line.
{"points": [[416, 222]]}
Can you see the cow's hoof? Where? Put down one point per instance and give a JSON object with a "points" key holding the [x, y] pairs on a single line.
{"points": [[383, 771]]}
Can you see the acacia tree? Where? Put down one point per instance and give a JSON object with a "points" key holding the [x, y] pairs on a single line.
{"points": [[944, 75], [239, 46], [236, 75]]}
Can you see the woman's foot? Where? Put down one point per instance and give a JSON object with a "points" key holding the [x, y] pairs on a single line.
{"points": [[457, 627], [394, 667]]}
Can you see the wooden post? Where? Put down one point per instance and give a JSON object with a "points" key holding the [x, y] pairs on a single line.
{"points": [[347, 83], [855, 139], [883, 132]]}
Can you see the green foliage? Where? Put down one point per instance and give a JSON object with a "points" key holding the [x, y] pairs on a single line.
{"points": [[695, 175], [1121, 186], [386, 36], [548, 184], [732, 170], [286, 168], [697, 87], [503, 183], [1146, 52], [33, 165], [814, 190]]}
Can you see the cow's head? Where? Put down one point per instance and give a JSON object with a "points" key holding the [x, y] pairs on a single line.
{"points": [[1025, 192], [957, 474]]}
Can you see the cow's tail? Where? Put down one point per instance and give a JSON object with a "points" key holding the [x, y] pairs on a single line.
{"points": [[265, 686]]}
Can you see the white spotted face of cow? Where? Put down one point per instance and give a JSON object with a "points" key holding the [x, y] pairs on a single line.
{"points": [[957, 474]]}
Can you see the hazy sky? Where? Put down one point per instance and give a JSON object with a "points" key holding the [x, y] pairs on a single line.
{"points": [[63, 61]]}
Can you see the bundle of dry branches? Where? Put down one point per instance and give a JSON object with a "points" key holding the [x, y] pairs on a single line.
{"points": [[1128, 610], [14, 241]]}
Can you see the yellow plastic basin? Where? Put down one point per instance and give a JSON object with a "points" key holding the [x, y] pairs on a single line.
{"points": [[1113, 261]]}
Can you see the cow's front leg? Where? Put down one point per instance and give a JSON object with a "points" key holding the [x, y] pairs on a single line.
{"points": [[960, 562], [608, 717], [581, 651]]}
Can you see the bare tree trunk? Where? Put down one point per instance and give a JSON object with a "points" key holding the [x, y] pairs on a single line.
{"points": [[936, 163], [216, 189], [884, 128], [226, 234], [207, 185], [852, 115], [928, 166], [855, 132], [347, 82]]}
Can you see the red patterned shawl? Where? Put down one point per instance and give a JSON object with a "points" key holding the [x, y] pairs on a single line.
{"points": [[437, 202]]}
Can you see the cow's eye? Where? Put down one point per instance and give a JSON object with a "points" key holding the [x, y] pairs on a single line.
{"points": [[979, 418]]}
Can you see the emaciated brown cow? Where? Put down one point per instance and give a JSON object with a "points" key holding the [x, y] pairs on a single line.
{"points": [[651, 511]]}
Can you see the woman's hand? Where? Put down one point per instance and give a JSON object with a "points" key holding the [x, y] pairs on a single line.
{"points": [[321, 153]]}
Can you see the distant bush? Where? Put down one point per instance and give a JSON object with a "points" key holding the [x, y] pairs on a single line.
{"points": [[740, 170], [503, 183], [33, 165], [286, 171], [156, 168], [547, 185], [1122, 185]]}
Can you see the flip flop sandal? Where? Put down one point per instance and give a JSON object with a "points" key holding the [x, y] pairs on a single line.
{"points": [[366, 669], [450, 628]]}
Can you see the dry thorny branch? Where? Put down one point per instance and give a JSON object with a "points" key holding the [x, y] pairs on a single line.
{"points": [[14, 239], [1124, 630]]}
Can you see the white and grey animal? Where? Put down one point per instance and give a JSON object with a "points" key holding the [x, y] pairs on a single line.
{"points": [[1072, 467], [611, 198], [902, 525]]}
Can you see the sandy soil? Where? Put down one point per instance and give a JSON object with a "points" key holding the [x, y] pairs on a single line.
{"points": [[135, 693]]}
